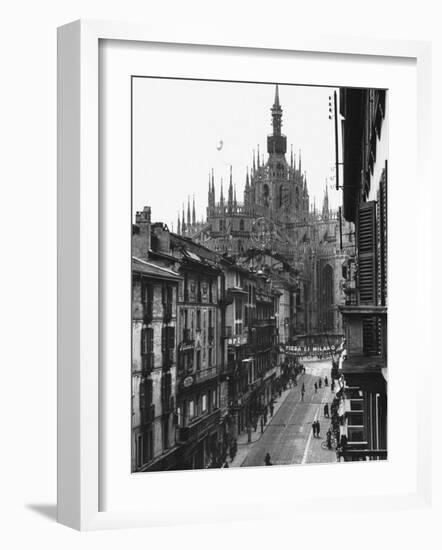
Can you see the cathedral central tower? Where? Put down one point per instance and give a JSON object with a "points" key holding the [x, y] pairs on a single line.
{"points": [[276, 142]]}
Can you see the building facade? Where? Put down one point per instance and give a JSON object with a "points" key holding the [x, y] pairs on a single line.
{"points": [[154, 321], [362, 404]]}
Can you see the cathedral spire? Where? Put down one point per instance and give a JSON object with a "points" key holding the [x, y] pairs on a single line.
{"points": [[291, 156], [276, 114], [178, 225], [253, 165], [230, 192], [188, 211], [221, 197], [183, 223], [213, 188], [325, 205], [193, 212], [258, 157], [299, 165], [276, 143]]}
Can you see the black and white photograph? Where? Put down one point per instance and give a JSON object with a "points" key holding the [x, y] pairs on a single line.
{"points": [[259, 274]]}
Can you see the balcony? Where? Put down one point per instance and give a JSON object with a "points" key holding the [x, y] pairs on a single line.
{"points": [[198, 428]]}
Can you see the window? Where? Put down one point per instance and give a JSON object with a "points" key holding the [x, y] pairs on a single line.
{"points": [[191, 408], [167, 345], [238, 309], [165, 430], [209, 357], [198, 359], [241, 225], [366, 252], [139, 450], [147, 300], [148, 445], [204, 403], [214, 399], [146, 393], [147, 353], [198, 319]]}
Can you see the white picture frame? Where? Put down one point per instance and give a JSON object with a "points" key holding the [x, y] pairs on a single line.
{"points": [[79, 254]]}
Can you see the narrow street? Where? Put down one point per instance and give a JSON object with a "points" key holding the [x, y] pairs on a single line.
{"points": [[288, 436]]}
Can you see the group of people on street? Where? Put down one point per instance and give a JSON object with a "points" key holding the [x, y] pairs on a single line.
{"points": [[316, 428]]}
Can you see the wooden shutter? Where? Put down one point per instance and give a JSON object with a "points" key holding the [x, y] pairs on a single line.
{"points": [[171, 337], [367, 253], [142, 394], [163, 339], [150, 340], [143, 341], [149, 391]]}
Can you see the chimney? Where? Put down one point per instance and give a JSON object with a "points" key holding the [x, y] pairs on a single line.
{"points": [[141, 234]]}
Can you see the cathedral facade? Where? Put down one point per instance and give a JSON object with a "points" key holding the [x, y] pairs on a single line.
{"points": [[276, 228]]}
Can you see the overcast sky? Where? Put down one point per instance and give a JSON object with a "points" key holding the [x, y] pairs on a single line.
{"points": [[178, 124]]}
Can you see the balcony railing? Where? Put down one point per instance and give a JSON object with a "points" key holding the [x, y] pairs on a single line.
{"points": [[198, 428]]}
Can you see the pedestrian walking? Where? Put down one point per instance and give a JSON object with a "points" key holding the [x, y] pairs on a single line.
{"points": [[333, 385], [329, 438], [326, 381], [316, 387], [326, 413], [318, 428], [320, 383], [302, 394], [314, 428], [262, 424], [268, 460], [303, 387], [271, 408]]}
